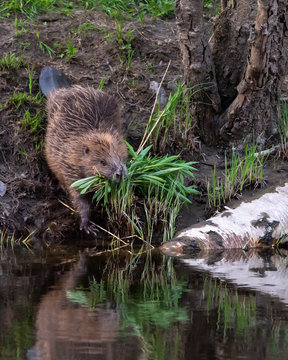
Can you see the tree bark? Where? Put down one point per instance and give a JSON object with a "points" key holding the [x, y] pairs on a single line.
{"points": [[247, 71], [258, 223], [254, 112], [197, 61]]}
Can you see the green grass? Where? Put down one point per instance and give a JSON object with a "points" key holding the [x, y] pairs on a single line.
{"points": [[242, 172], [174, 124], [283, 129], [23, 98], [11, 61], [156, 184], [29, 8], [44, 47], [114, 8]]}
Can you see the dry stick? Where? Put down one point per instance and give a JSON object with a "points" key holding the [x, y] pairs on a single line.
{"points": [[147, 138], [150, 118]]}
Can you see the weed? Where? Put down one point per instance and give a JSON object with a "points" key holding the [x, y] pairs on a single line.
{"points": [[68, 50], [30, 8], [71, 51], [283, 129], [239, 174], [20, 98], [158, 183], [173, 124], [101, 84], [32, 123], [30, 78], [116, 9], [44, 47], [124, 40], [86, 27], [19, 27], [11, 61]]}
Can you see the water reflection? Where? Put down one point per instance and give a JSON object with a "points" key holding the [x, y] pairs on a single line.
{"points": [[266, 271], [228, 305]]}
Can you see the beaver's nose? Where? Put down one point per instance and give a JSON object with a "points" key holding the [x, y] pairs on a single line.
{"points": [[120, 172]]}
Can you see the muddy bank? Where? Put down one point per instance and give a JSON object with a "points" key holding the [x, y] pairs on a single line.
{"points": [[31, 200]]}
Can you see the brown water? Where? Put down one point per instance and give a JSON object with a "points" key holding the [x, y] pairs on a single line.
{"points": [[77, 305]]}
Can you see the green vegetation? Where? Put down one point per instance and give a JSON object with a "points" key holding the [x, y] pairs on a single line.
{"points": [[174, 124], [19, 27], [31, 74], [44, 47], [115, 9], [85, 28], [68, 51], [234, 312], [11, 61], [32, 122], [146, 307], [283, 129], [101, 84], [29, 8], [21, 98], [240, 173], [157, 183]]}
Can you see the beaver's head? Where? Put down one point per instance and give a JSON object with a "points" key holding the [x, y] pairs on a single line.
{"points": [[104, 154]]}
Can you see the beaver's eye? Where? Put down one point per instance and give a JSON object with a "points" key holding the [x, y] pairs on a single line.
{"points": [[86, 150], [103, 162]]}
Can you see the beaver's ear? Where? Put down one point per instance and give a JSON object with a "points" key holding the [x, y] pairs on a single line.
{"points": [[86, 150]]}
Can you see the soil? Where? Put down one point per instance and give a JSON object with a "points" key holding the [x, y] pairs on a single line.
{"points": [[32, 200]]}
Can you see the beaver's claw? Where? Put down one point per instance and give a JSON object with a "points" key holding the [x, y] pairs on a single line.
{"points": [[89, 228]]}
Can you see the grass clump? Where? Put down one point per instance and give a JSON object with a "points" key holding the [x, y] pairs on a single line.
{"points": [[283, 129], [11, 61], [153, 189], [29, 8], [21, 98], [174, 124], [117, 8], [241, 173]]}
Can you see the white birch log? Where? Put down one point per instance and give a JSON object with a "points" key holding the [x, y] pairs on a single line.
{"points": [[261, 222]]}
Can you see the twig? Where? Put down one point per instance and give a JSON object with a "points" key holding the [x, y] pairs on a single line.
{"points": [[147, 138], [108, 232], [150, 118], [67, 206]]}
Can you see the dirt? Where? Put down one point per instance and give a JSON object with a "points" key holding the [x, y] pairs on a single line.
{"points": [[33, 201]]}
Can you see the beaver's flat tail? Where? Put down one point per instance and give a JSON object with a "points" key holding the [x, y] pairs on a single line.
{"points": [[52, 79]]}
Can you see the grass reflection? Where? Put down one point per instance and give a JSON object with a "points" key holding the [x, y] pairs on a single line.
{"points": [[234, 311], [149, 308]]}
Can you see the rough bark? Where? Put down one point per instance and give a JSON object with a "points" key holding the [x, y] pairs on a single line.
{"points": [[197, 62], [250, 60], [258, 223], [254, 111], [231, 47]]}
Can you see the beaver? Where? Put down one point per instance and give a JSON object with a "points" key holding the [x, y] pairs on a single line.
{"points": [[83, 136]]}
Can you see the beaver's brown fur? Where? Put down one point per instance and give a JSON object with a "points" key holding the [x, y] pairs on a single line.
{"points": [[83, 138]]}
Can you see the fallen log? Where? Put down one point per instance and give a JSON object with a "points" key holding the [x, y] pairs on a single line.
{"points": [[261, 222]]}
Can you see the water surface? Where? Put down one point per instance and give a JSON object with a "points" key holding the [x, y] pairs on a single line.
{"points": [[79, 305]]}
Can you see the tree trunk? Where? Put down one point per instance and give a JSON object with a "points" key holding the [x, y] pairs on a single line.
{"points": [[246, 226], [198, 67], [247, 71]]}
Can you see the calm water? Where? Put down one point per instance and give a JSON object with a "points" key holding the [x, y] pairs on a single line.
{"points": [[74, 305]]}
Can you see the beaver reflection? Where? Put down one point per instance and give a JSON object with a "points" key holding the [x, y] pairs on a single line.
{"points": [[66, 330]]}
